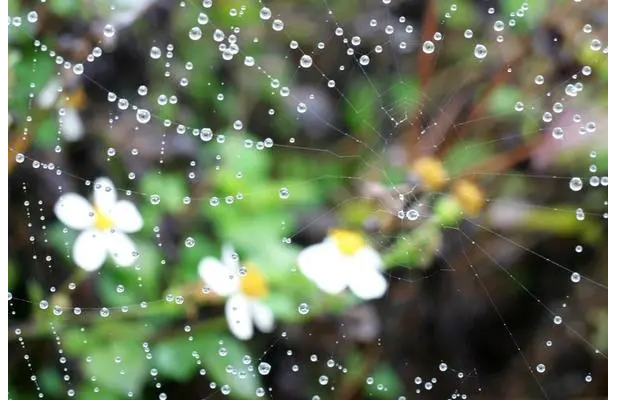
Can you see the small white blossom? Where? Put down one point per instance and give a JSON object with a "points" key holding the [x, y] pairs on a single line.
{"points": [[72, 128], [103, 226], [342, 260], [244, 288]]}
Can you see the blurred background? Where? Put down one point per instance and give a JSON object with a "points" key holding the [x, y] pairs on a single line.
{"points": [[469, 147]]}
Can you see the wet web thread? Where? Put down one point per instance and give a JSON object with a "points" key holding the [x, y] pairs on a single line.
{"points": [[377, 54]]}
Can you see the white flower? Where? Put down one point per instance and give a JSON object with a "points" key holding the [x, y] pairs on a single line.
{"points": [[244, 290], [103, 226], [72, 128], [344, 259]]}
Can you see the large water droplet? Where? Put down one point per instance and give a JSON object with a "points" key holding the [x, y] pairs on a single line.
{"points": [[576, 184], [306, 61], [480, 51], [303, 308], [264, 368], [428, 47]]}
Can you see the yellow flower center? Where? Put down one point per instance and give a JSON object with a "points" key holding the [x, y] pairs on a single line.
{"points": [[431, 172], [252, 283], [101, 220], [349, 242], [77, 99]]}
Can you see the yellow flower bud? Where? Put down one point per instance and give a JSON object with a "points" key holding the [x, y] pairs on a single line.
{"points": [[469, 195], [76, 99], [431, 172]]}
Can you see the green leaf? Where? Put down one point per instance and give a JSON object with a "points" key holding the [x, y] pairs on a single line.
{"points": [[360, 109], [64, 7], [170, 188], [252, 163], [46, 132], [502, 100], [108, 373], [407, 96], [386, 376], [284, 307], [416, 249], [208, 347], [466, 154], [532, 17], [51, 383], [173, 358]]}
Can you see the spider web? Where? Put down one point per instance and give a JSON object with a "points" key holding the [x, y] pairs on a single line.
{"points": [[354, 94]]}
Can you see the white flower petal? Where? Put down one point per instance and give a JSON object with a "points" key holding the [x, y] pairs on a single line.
{"points": [[72, 128], [324, 264], [104, 194], [89, 250], [239, 316], [74, 211], [48, 96], [217, 276], [369, 257], [367, 284], [262, 315], [126, 217], [227, 257], [121, 248]]}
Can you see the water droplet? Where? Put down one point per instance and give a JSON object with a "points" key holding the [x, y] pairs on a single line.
{"points": [[283, 193], [412, 215], [109, 30], [265, 13], [189, 242], [442, 367], [155, 52], [306, 61], [43, 304], [195, 33], [105, 312], [143, 116], [576, 184], [428, 47], [303, 308], [155, 199], [479, 51], [264, 368], [541, 368], [78, 69], [575, 277], [32, 16], [323, 380], [278, 25], [206, 134]]}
